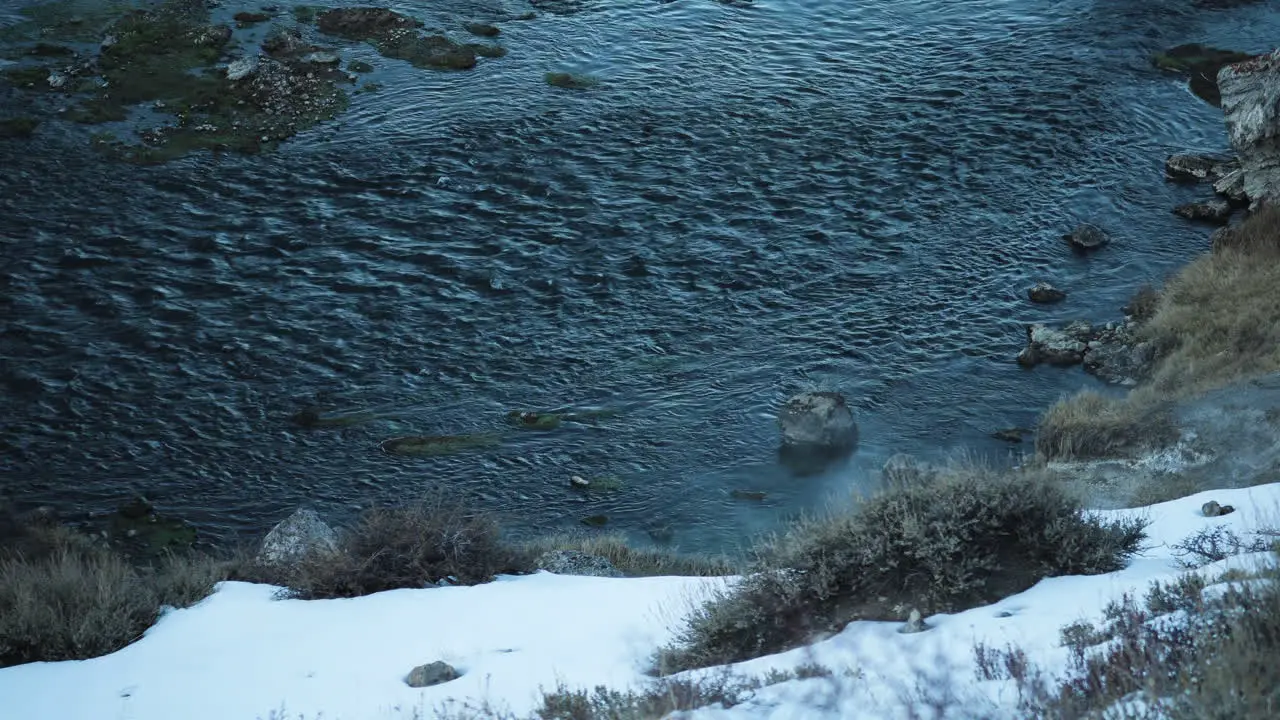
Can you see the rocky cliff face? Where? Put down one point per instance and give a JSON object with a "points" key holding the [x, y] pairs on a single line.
{"points": [[1251, 107]]}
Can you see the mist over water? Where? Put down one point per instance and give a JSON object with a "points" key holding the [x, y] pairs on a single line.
{"points": [[756, 199]]}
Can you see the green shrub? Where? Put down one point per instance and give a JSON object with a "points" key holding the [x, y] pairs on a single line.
{"points": [[966, 538]]}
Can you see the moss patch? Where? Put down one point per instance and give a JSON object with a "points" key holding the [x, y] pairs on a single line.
{"points": [[1201, 63], [571, 81], [20, 127]]}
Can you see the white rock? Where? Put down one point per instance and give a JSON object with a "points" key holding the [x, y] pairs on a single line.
{"points": [[242, 68]]}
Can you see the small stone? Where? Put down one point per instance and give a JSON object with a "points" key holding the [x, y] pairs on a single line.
{"points": [[1044, 293], [1086, 237], [431, 674], [58, 79], [579, 482], [914, 623]]}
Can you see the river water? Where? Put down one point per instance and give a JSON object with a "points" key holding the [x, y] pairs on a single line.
{"points": [[756, 199]]}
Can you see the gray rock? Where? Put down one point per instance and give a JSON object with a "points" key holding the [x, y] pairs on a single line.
{"points": [[818, 420], [1053, 346], [1044, 293], [914, 623], [58, 80], [242, 68], [1251, 108], [301, 534], [1086, 237], [1216, 211], [1206, 167], [431, 674], [573, 562], [1213, 509], [1231, 187]]}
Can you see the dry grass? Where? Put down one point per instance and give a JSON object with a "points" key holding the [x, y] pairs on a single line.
{"points": [[65, 598], [1216, 322], [939, 544], [632, 561]]}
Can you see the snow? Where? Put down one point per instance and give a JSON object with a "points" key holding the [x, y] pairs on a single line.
{"points": [[243, 654]]}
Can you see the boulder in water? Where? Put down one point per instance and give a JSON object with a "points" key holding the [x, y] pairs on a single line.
{"points": [[818, 420], [1086, 237]]}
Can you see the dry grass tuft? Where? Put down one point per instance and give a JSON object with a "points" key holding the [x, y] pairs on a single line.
{"points": [[632, 561]]}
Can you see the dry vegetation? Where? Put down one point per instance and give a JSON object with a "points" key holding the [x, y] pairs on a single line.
{"points": [[633, 561], [1215, 322], [936, 543]]}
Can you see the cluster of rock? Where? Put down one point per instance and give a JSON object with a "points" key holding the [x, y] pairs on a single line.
{"points": [[1113, 352]]}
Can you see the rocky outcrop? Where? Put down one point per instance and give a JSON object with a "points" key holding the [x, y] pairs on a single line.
{"points": [[1199, 167], [573, 562], [818, 420], [300, 535], [1111, 352], [1251, 109]]}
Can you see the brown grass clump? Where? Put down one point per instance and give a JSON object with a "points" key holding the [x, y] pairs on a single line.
{"points": [[63, 597], [1216, 322]]}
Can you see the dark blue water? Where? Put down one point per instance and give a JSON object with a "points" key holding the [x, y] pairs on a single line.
{"points": [[757, 199]]}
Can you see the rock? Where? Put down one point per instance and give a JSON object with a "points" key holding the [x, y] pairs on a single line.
{"points": [[570, 81], [1086, 237], [285, 42], [1213, 509], [242, 68], [363, 23], [483, 29], [756, 495], [249, 18], [914, 623], [1216, 211], [58, 79], [1251, 109], [818, 420], [432, 445], [300, 535], [211, 36], [1044, 293], [430, 674], [1231, 187], [1199, 167], [1056, 347], [530, 420], [1203, 64], [323, 57], [574, 562], [579, 482]]}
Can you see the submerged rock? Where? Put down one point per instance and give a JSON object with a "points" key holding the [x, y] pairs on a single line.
{"points": [[298, 536], [574, 562], [531, 420], [1251, 109], [1044, 293], [570, 81], [136, 526], [1202, 64], [429, 445], [820, 420], [1086, 237], [363, 23]]}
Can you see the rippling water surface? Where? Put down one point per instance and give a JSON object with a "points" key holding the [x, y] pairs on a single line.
{"points": [[758, 198]]}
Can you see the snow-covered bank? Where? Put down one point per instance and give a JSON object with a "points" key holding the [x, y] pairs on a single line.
{"points": [[241, 654]]}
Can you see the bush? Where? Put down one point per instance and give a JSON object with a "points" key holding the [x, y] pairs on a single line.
{"points": [[966, 538], [64, 598], [414, 546], [635, 562]]}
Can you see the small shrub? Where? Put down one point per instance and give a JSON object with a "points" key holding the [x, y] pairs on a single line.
{"points": [[1142, 306], [64, 598], [967, 538], [1213, 544], [659, 700], [632, 561], [413, 546]]}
